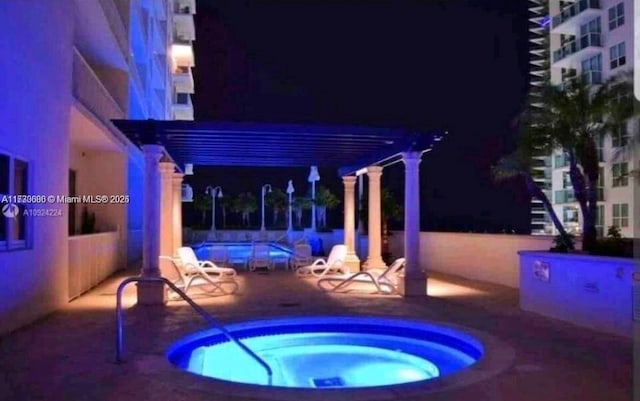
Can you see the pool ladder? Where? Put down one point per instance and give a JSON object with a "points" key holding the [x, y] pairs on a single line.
{"points": [[195, 306]]}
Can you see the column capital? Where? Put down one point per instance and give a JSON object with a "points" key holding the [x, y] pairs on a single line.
{"points": [[177, 178], [349, 181], [412, 156], [167, 169], [374, 171]]}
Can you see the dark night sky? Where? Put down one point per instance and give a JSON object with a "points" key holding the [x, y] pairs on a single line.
{"points": [[452, 65]]}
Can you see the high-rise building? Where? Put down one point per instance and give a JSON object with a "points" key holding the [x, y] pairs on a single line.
{"points": [[592, 39], [71, 67]]}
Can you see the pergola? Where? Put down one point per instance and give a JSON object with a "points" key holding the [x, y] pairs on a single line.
{"points": [[353, 150]]}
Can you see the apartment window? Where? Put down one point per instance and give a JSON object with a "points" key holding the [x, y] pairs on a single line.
{"points": [[13, 181], [600, 220], [616, 16], [182, 98], [619, 137], [569, 214], [566, 180], [620, 174], [621, 214], [592, 26], [600, 146], [617, 56], [592, 64]]}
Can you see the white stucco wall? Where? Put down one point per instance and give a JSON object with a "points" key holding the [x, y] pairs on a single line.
{"points": [[590, 291], [35, 75], [485, 257]]}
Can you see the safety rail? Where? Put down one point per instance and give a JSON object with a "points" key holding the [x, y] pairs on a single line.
{"points": [[196, 307]]}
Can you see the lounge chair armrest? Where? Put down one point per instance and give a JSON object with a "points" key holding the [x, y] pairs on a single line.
{"points": [[206, 263]]}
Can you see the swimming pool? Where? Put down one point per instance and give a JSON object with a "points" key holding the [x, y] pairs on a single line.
{"points": [[239, 252], [329, 352]]}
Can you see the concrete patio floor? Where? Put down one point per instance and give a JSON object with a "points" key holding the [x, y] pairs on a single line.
{"points": [[70, 355]]}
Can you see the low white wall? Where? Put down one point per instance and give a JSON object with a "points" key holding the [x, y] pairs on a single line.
{"points": [[485, 257], [92, 258], [590, 291]]}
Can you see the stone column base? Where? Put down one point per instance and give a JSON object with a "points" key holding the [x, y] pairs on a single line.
{"points": [[374, 264], [151, 293], [352, 262], [412, 286]]}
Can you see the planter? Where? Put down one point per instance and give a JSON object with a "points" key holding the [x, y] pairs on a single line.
{"points": [[589, 291]]}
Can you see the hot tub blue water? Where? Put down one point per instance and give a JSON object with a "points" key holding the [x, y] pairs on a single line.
{"points": [[329, 352]]}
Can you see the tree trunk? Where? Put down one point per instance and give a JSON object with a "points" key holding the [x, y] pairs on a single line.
{"points": [[275, 216], [536, 192], [583, 195], [204, 217], [224, 217], [299, 217]]}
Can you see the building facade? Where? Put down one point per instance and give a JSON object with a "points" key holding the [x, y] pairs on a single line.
{"points": [[593, 39], [96, 61]]}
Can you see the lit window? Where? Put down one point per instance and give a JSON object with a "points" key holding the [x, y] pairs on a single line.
{"points": [[616, 16], [617, 56], [621, 214], [600, 220], [620, 174], [13, 182]]}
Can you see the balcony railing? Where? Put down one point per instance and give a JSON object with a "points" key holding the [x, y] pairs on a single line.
{"points": [[90, 91], [116, 23], [588, 40], [567, 195], [574, 10], [589, 78]]}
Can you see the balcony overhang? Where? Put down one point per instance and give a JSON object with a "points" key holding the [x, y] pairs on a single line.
{"points": [[348, 148], [569, 21]]}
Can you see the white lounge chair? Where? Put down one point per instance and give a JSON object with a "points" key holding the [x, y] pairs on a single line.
{"points": [[260, 257], [334, 264], [301, 256], [197, 275], [384, 280], [188, 260]]}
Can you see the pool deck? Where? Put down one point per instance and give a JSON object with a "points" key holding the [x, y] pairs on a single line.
{"points": [[69, 355]]}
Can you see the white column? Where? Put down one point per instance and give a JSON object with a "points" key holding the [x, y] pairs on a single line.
{"points": [[413, 281], [151, 293], [352, 261], [177, 211], [374, 260], [167, 169]]}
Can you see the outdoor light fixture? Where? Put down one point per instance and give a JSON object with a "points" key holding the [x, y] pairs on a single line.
{"points": [[217, 191], [265, 188], [290, 191], [313, 177], [187, 193], [188, 169]]}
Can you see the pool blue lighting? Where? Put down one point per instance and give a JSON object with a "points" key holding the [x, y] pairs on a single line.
{"points": [[241, 250], [329, 352]]}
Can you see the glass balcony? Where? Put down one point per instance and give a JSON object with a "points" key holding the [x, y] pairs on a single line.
{"points": [[582, 9], [560, 161], [589, 40], [564, 196]]}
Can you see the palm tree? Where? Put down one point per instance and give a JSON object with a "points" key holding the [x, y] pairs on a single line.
{"points": [[324, 200], [202, 203], [391, 211], [299, 204], [533, 141], [245, 204], [277, 201], [575, 117]]}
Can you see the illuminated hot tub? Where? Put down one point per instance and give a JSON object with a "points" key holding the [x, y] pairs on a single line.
{"points": [[329, 352]]}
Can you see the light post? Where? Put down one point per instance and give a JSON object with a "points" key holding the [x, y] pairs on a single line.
{"points": [[313, 177], [290, 191], [265, 188], [213, 191]]}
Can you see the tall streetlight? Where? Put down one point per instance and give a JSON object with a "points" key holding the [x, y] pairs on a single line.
{"points": [[313, 177], [213, 191], [265, 188], [290, 191]]}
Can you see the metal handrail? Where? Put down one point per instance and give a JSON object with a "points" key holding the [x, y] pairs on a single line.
{"points": [[195, 307]]}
